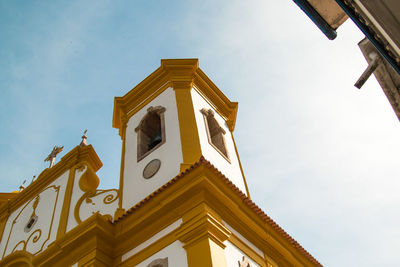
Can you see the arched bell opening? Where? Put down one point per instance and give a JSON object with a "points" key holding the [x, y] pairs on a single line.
{"points": [[150, 132], [215, 133]]}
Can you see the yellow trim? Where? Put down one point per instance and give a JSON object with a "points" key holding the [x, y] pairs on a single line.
{"points": [[237, 242], [190, 141], [62, 228], [240, 165], [18, 258], [76, 155], [89, 181], [4, 197], [150, 250], [3, 221], [158, 81], [38, 231], [87, 196], [120, 210], [202, 199], [204, 237]]}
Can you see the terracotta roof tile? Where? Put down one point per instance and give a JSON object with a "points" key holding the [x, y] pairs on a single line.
{"points": [[244, 198]]}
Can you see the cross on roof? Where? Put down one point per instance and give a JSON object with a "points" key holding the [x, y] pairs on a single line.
{"points": [[52, 156]]}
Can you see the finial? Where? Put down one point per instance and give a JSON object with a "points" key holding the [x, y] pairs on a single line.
{"points": [[52, 156], [84, 137], [33, 178], [22, 187]]}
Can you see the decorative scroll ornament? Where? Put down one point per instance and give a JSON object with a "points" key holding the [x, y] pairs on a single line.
{"points": [[38, 235], [110, 197], [244, 262]]}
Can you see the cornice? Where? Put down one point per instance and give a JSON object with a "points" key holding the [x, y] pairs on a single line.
{"points": [[203, 183], [171, 73], [77, 155], [95, 233]]}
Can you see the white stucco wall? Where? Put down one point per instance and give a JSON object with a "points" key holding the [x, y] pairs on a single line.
{"points": [[230, 170], [175, 252], [234, 255], [76, 194], [242, 238], [44, 231], [152, 239], [136, 187]]}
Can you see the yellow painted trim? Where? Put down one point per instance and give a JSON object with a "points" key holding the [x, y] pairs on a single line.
{"points": [[3, 222], [237, 242], [89, 181], [38, 232], [202, 199], [204, 236], [76, 155], [240, 165], [4, 197], [62, 228], [190, 141], [120, 210], [18, 258], [155, 83], [150, 250]]}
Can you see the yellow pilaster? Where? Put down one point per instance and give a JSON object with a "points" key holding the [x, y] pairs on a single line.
{"points": [[120, 211], [3, 221], [191, 150], [62, 228], [203, 236]]}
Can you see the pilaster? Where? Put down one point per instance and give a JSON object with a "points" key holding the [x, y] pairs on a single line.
{"points": [[203, 235], [191, 150]]}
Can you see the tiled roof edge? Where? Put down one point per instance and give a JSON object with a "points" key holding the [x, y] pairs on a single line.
{"points": [[245, 199]]}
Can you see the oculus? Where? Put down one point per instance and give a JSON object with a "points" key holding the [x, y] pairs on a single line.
{"points": [[151, 168]]}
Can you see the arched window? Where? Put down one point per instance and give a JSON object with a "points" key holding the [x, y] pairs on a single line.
{"points": [[150, 132], [215, 133], [159, 263]]}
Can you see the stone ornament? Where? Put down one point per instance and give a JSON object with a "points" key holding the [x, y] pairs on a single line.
{"points": [[151, 168], [159, 263], [52, 156], [244, 262]]}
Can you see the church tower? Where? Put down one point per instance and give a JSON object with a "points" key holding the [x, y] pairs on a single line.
{"points": [[182, 200], [167, 122]]}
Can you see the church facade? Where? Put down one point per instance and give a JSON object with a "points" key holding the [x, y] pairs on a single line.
{"points": [[182, 198]]}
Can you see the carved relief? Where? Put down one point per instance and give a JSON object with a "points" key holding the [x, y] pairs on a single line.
{"points": [[90, 198], [244, 262], [34, 241], [159, 263]]}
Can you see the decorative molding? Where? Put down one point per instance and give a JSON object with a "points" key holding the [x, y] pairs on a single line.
{"points": [[209, 114], [87, 196], [37, 234], [244, 262], [18, 259], [159, 110], [159, 263], [76, 155], [174, 73]]}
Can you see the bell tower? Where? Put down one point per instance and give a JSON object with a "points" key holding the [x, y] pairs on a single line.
{"points": [[167, 123]]}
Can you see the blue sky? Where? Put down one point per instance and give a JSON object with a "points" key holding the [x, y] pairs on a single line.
{"points": [[319, 155]]}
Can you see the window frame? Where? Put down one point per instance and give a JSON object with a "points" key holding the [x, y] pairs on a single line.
{"points": [[209, 114], [159, 110]]}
